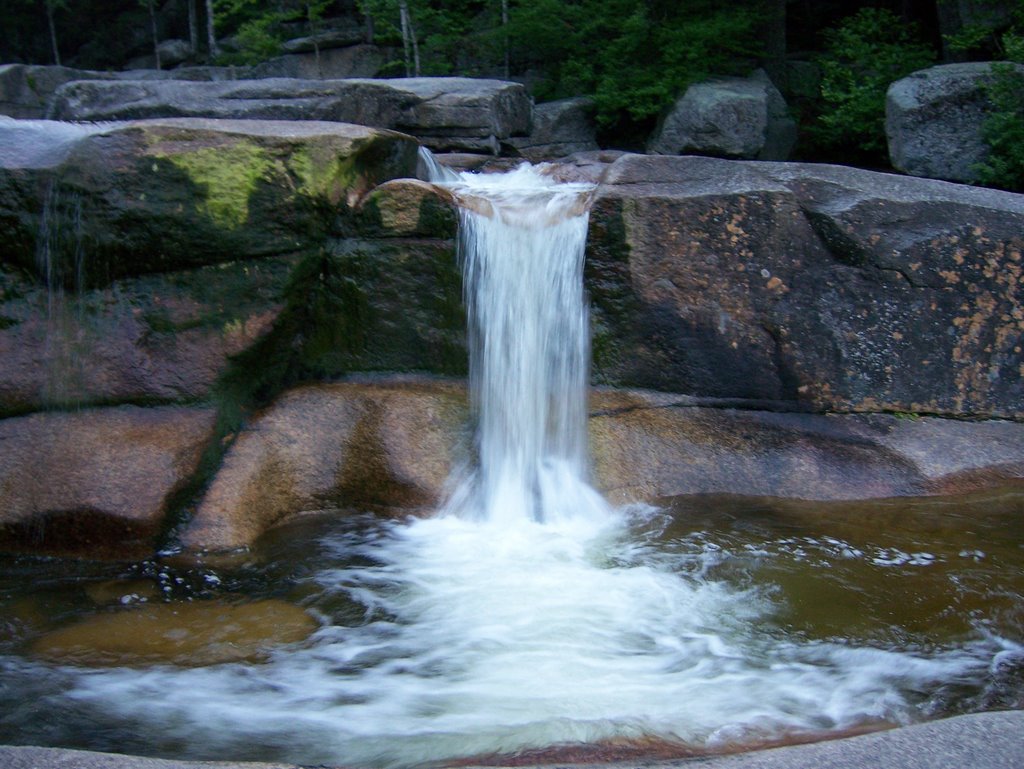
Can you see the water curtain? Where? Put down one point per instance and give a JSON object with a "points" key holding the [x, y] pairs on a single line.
{"points": [[522, 239]]}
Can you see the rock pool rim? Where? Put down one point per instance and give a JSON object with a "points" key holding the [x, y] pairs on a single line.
{"points": [[980, 740]]}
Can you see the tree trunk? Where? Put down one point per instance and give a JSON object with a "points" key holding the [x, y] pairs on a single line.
{"points": [[415, 45], [156, 37], [211, 35], [774, 37], [403, 18], [193, 27], [53, 32], [504, 28], [314, 28], [369, 27]]}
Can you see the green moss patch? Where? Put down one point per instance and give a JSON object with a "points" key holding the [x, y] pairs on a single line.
{"points": [[229, 176]]}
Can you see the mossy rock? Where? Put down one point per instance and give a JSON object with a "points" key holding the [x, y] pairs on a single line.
{"points": [[158, 195]]}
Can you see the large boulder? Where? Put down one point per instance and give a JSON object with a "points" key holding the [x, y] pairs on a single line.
{"points": [[560, 128], [728, 117], [392, 445], [328, 64], [98, 202], [445, 113], [808, 286], [934, 119], [27, 89], [96, 483], [383, 292]]}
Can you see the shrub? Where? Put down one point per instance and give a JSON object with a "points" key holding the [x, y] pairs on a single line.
{"points": [[863, 54]]}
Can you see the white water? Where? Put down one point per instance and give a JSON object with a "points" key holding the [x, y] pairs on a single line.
{"points": [[521, 243], [527, 613]]}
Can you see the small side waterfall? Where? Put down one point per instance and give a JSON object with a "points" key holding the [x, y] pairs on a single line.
{"points": [[521, 244]]}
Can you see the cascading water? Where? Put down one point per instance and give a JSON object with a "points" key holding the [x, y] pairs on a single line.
{"points": [[528, 613], [522, 239]]}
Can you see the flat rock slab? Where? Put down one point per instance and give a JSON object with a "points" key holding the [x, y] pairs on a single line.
{"points": [[26, 89], [444, 112], [392, 445], [649, 445], [95, 482], [980, 741], [829, 288]]}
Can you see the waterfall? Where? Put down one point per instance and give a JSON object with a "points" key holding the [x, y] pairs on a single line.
{"points": [[531, 614], [521, 245]]}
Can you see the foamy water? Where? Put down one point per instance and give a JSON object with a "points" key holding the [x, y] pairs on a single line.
{"points": [[481, 640]]}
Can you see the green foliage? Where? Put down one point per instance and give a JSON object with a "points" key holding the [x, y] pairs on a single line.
{"points": [[863, 54], [633, 56], [1003, 130], [258, 26]]}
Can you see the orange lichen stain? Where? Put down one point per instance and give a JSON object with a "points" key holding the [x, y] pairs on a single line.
{"points": [[915, 266], [950, 276], [775, 283], [978, 231], [897, 335]]}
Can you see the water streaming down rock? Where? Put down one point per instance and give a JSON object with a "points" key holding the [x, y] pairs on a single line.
{"points": [[521, 243]]}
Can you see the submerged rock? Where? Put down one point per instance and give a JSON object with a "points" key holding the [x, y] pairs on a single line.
{"points": [[97, 482], [190, 634], [820, 287]]}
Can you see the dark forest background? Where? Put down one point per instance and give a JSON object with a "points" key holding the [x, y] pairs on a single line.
{"points": [[832, 59]]}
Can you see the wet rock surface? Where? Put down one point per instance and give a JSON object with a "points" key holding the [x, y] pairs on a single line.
{"points": [[982, 740], [153, 339], [95, 482], [392, 445], [821, 287], [645, 446], [384, 446]]}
